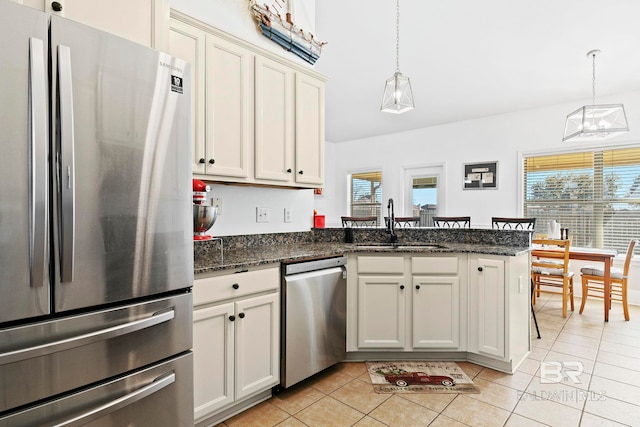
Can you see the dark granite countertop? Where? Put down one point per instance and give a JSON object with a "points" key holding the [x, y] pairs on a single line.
{"points": [[239, 258]]}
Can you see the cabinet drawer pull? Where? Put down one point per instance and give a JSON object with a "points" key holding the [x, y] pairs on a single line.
{"points": [[401, 286], [479, 268], [232, 317], [417, 286], [301, 172], [289, 170], [56, 6], [241, 315], [201, 160], [211, 161], [235, 286]]}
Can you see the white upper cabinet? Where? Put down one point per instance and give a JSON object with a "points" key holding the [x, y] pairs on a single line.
{"points": [[274, 121], [189, 43], [309, 130], [143, 21], [229, 101], [263, 115], [221, 101]]}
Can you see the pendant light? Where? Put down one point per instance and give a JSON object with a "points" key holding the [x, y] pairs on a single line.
{"points": [[397, 97], [595, 122]]}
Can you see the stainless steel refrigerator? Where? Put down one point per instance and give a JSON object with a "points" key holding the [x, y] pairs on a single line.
{"points": [[96, 251]]}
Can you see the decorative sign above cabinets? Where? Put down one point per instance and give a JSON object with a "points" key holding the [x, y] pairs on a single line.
{"points": [[276, 21]]}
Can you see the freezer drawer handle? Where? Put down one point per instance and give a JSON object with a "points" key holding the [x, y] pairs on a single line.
{"points": [[99, 411], [91, 337]]}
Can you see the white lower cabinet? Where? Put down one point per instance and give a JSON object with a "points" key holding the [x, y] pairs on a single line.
{"points": [[499, 309], [236, 338], [213, 338], [487, 295], [458, 306], [406, 302], [436, 312], [381, 311]]}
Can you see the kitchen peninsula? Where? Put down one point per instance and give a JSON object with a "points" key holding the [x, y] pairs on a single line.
{"points": [[437, 294]]}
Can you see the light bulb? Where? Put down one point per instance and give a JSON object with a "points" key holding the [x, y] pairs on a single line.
{"points": [[604, 124]]}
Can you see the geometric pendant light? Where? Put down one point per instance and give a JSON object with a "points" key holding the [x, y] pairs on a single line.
{"points": [[595, 122], [397, 97]]}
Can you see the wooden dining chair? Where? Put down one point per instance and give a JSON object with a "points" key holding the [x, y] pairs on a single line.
{"points": [[404, 221], [452, 221], [504, 223], [593, 282], [550, 269], [359, 221]]}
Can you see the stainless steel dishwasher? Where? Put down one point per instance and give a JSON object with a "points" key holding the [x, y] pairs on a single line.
{"points": [[314, 305]]}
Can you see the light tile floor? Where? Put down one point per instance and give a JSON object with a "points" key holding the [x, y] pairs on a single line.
{"points": [[599, 363]]}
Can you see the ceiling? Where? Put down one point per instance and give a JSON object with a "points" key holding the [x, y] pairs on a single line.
{"points": [[469, 58]]}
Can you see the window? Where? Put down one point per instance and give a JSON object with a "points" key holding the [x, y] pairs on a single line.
{"points": [[366, 194], [596, 194]]}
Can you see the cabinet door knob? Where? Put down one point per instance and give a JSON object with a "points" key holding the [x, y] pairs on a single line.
{"points": [[301, 172], [289, 170], [417, 286], [201, 160], [479, 268], [241, 315], [56, 6], [232, 318], [235, 286], [211, 161], [401, 286]]}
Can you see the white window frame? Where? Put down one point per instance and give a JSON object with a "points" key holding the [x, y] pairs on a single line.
{"points": [[564, 150], [410, 172], [348, 186]]}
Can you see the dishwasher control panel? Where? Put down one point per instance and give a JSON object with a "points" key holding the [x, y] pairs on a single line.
{"points": [[312, 265]]}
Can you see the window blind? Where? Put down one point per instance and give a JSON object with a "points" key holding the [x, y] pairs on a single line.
{"points": [[596, 194], [366, 194]]}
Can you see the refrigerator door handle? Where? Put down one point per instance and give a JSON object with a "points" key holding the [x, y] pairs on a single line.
{"points": [[88, 338], [67, 161], [38, 162], [99, 411]]}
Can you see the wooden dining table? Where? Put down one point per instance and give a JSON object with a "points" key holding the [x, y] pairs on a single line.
{"points": [[604, 256]]}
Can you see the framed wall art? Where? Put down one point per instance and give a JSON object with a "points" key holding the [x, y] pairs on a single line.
{"points": [[480, 176]]}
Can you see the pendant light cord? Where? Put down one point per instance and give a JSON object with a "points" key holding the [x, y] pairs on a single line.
{"points": [[397, 35], [593, 81]]}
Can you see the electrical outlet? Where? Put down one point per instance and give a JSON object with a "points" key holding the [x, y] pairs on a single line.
{"points": [[287, 215], [262, 214], [217, 202]]}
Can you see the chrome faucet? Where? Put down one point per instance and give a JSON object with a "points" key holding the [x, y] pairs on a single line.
{"points": [[391, 224]]}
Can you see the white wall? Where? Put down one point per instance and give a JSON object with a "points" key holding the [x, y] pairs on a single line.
{"points": [[239, 210], [501, 138]]}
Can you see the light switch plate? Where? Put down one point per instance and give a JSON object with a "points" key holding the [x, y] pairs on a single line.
{"points": [[287, 215]]}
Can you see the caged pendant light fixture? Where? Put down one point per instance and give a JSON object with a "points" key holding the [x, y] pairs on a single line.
{"points": [[595, 122], [397, 97]]}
